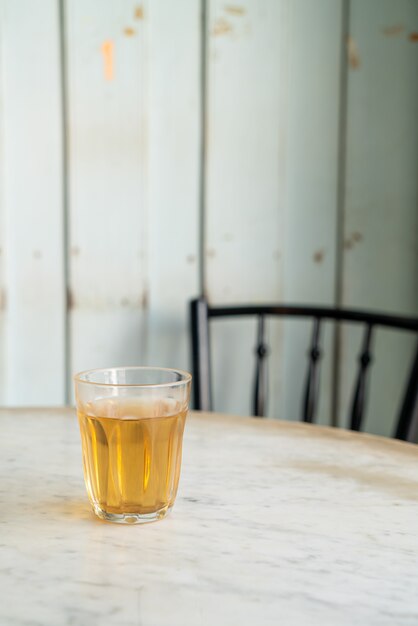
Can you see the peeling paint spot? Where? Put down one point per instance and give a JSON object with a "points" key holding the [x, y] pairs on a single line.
{"points": [[221, 27], [235, 10], [145, 300], [354, 238], [70, 300], [139, 13], [75, 250], [413, 37], [108, 66], [129, 32], [353, 54], [190, 258], [37, 254], [3, 300], [392, 31], [96, 302], [210, 252], [318, 256], [228, 237]]}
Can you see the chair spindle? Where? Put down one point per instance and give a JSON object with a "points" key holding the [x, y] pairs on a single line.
{"points": [[312, 381], [359, 401], [260, 384]]}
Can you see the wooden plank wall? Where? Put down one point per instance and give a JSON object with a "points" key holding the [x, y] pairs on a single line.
{"points": [[246, 128], [152, 149], [379, 269], [33, 342], [107, 217], [310, 272]]}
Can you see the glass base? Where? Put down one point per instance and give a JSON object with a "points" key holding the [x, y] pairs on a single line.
{"points": [[132, 518]]}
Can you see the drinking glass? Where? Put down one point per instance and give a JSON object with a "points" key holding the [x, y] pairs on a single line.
{"points": [[131, 423]]}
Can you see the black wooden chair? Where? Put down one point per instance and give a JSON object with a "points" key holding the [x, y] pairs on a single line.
{"points": [[201, 313]]}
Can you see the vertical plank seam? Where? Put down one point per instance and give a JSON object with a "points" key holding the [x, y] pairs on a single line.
{"points": [[144, 203], [65, 194], [203, 145], [284, 64], [341, 189], [3, 295]]}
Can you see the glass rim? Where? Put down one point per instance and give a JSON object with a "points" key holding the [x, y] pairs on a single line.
{"points": [[186, 377]]}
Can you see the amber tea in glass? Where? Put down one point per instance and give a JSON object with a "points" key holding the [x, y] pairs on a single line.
{"points": [[131, 424]]}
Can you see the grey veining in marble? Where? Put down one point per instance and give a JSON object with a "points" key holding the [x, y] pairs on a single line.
{"points": [[274, 524]]}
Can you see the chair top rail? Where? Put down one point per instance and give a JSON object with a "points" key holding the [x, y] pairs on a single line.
{"points": [[400, 322]]}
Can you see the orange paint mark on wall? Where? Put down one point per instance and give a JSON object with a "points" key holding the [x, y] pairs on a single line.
{"points": [[234, 10], [413, 37], [129, 32], [392, 31], [221, 27], [3, 301], [139, 13], [318, 256], [108, 59], [353, 54]]}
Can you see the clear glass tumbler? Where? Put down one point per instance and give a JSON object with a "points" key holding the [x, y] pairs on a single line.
{"points": [[131, 424]]}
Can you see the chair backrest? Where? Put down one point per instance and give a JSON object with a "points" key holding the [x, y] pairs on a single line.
{"points": [[201, 313]]}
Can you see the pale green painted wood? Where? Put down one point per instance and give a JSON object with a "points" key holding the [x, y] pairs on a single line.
{"points": [[3, 378], [134, 163], [273, 101], [271, 181], [107, 125], [247, 74], [381, 202], [245, 182], [311, 207], [172, 176], [33, 351]]}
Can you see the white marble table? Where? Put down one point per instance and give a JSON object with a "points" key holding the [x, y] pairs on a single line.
{"points": [[274, 524]]}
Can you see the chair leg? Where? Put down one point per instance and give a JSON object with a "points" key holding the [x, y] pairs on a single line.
{"points": [[407, 426], [201, 384]]}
